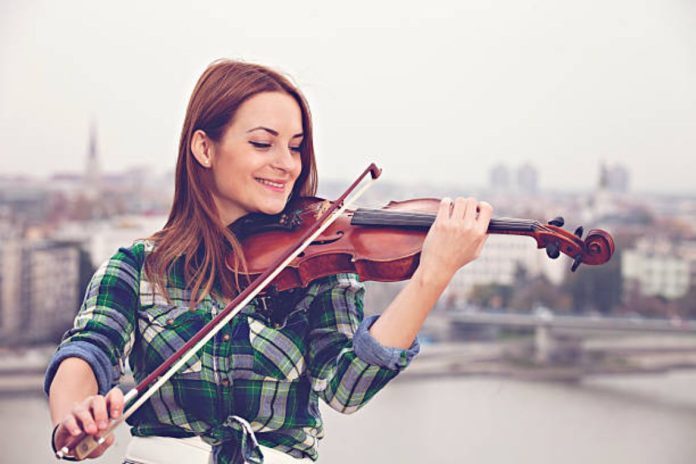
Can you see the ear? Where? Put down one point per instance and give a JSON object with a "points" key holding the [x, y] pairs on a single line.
{"points": [[202, 148]]}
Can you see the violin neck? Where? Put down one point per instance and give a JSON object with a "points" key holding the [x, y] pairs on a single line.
{"points": [[423, 221]]}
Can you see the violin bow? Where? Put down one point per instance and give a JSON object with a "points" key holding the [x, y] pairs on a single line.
{"points": [[83, 445]]}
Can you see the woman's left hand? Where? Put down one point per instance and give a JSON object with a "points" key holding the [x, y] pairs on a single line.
{"points": [[456, 237]]}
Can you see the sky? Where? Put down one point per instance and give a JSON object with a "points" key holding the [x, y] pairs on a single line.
{"points": [[434, 92]]}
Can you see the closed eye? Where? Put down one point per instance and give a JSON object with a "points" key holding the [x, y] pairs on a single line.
{"points": [[260, 144], [266, 146]]}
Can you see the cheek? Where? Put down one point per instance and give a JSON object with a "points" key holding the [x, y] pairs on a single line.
{"points": [[228, 177]]}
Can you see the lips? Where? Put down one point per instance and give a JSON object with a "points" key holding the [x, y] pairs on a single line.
{"points": [[274, 185]]}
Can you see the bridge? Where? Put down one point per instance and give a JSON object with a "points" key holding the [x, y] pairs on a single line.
{"points": [[567, 339], [546, 318]]}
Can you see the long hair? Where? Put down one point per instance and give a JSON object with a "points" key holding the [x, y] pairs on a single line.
{"points": [[194, 232]]}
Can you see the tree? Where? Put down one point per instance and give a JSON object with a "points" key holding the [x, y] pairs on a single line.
{"points": [[597, 288]]}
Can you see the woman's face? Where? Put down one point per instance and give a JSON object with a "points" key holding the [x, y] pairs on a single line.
{"points": [[257, 161]]}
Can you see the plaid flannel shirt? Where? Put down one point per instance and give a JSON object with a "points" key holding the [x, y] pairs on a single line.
{"points": [[269, 374]]}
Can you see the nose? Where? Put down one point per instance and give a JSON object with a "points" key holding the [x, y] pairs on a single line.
{"points": [[286, 160]]}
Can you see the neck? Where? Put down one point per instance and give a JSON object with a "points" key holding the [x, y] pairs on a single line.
{"points": [[400, 219]]}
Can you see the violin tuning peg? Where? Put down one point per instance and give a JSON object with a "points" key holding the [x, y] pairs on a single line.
{"points": [[558, 221], [579, 231], [553, 250], [576, 263]]}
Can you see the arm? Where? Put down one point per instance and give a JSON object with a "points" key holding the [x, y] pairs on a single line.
{"points": [[346, 365], [73, 382], [456, 238], [76, 407], [92, 354]]}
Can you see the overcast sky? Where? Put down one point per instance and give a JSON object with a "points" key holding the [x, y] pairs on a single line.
{"points": [[433, 91]]}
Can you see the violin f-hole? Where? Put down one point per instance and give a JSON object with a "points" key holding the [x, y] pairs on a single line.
{"points": [[326, 240]]}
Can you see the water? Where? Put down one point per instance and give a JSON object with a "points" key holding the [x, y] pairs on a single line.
{"points": [[636, 420]]}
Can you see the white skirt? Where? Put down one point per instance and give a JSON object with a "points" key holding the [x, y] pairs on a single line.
{"points": [[193, 450]]}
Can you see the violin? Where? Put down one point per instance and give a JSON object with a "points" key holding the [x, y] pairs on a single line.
{"points": [[384, 244]]}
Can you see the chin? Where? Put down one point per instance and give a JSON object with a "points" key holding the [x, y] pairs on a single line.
{"points": [[272, 209]]}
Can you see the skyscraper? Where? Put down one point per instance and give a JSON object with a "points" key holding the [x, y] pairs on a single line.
{"points": [[527, 179]]}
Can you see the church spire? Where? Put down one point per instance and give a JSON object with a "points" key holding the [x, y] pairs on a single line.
{"points": [[92, 150], [603, 176], [92, 179]]}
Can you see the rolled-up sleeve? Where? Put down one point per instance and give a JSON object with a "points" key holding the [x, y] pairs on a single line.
{"points": [[347, 365], [103, 332], [373, 352]]}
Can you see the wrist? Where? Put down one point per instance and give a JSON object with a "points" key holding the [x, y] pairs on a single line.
{"points": [[431, 278]]}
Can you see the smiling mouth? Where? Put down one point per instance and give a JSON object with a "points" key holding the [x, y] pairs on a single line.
{"points": [[273, 185]]}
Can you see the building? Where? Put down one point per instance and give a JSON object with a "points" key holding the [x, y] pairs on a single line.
{"points": [[615, 178], [524, 179], [658, 267], [40, 289], [607, 201], [527, 179], [499, 178]]}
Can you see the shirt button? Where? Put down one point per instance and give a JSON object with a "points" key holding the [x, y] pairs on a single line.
{"points": [[226, 337], [170, 321], [225, 382]]}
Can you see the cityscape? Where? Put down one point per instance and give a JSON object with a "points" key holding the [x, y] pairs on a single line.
{"points": [[54, 232]]}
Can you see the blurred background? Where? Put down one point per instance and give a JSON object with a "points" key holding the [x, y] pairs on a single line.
{"points": [[585, 110]]}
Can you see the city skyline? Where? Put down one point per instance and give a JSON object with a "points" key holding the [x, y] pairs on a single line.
{"points": [[501, 177]]}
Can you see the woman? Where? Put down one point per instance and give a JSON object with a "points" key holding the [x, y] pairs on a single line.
{"points": [[246, 147]]}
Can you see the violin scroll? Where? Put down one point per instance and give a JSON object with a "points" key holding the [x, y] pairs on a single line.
{"points": [[597, 247]]}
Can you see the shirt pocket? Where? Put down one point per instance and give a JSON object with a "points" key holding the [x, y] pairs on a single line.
{"points": [[278, 351], [163, 330]]}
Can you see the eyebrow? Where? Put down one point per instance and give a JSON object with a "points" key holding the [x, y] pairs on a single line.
{"points": [[271, 131]]}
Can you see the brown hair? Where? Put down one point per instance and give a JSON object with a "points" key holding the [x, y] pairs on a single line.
{"points": [[194, 231]]}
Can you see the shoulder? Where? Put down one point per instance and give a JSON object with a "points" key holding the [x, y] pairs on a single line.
{"points": [[130, 257]]}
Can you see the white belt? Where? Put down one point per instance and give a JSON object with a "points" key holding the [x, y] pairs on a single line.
{"points": [[193, 450]]}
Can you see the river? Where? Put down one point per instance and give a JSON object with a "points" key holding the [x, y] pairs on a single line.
{"points": [[636, 420]]}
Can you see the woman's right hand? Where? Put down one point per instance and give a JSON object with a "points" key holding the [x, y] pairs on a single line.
{"points": [[91, 416]]}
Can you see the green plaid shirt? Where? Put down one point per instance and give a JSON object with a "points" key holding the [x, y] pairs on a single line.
{"points": [[269, 373]]}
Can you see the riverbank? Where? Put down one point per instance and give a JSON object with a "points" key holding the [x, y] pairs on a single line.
{"points": [[22, 371]]}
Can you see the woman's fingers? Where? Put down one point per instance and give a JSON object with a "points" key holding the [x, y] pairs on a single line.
{"points": [[485, 212], [83, 414], [70, 426], [115, 400], [458, 208], [470, 211], [483, 219], [98, 407], [444, 211], [91, 416], [457, 235]]}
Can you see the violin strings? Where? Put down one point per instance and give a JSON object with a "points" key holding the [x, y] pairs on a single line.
{"points": [[383, 217], [406, 219]]}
